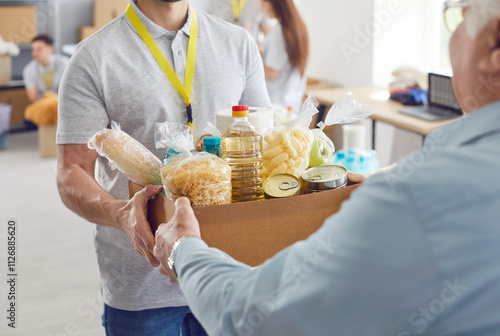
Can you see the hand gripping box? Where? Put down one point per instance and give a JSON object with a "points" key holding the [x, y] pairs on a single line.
{"points": [[252, 232]]}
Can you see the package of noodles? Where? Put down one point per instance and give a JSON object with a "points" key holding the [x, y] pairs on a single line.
{"points": [[203, 178], [286, 148], [138, 163]]}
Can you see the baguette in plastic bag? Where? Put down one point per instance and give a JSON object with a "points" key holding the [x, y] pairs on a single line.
{"points": [[138, 163]]}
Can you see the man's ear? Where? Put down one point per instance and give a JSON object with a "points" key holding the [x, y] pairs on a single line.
{"points": [[491, 62]]}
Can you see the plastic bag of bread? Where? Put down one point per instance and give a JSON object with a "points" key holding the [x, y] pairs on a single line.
{"points": [[138, 163], [203, 178], [286, 148], [345, 111]]}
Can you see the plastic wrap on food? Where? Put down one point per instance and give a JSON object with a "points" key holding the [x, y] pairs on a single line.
{"points": [[203, 178], [286, 148], [138, 163], [346, 110]]}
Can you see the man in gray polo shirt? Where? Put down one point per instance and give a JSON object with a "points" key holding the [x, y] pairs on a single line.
{"points": [[114, 76], [44, 72]]}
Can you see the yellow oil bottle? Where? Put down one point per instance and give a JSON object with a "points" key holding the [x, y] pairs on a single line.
{"points": [[242, 150]]}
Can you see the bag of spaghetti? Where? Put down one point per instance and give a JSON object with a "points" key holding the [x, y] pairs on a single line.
{"points": [[286, 148], [203, 178]]}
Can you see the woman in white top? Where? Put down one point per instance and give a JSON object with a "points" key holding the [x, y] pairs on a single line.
{"points": [[286, 51]]}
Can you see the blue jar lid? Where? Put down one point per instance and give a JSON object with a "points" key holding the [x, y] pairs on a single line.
{"points": [[211, 141]]}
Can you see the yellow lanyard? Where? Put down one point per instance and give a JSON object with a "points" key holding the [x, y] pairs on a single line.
{"points": [[237, 8], [184, 90], [47, 78]]}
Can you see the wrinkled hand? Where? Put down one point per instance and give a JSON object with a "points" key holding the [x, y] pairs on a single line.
{"points": [[133, 220], [355, 178], [183, 223]]}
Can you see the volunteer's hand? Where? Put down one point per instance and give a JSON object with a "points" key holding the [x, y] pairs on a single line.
{"points": [[355, 178], [183, 223], [134, 221]]}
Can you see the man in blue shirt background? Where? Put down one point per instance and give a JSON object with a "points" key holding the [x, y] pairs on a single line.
{"points": [[414, 251]]}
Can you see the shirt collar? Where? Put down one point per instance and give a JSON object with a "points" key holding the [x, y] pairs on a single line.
{"points": [[155, 30], [473, 126]]}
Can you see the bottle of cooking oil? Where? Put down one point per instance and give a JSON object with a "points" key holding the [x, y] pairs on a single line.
{"points": [[242, 150]]}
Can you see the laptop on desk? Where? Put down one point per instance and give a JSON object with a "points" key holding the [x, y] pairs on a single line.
{"points": [[442, 102]]}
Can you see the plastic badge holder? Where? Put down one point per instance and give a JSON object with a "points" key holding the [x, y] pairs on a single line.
{"points": [[203, 178], [128, 155], [286, 148], [345, 111]]}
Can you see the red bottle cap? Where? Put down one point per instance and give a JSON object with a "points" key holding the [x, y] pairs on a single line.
{"points": [[240, 111]]}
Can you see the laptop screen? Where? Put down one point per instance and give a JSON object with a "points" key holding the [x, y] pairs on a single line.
{"points": [[441, 93]]}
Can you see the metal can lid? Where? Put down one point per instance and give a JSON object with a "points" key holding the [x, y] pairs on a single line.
{"points": [[325, 177], [281, 185]]}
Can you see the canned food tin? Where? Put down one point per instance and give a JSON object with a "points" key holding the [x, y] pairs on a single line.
{"points": [[324, 178], [281, 185]]}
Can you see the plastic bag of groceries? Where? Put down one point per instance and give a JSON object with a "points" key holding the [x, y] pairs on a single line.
{"points": [[138, 163], [286, 148], [203, 178], [345, 111]]}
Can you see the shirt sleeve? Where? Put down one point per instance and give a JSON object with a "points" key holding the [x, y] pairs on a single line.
{"points": [[275, 54], [82, 111], [365, 272], [29, 76], [255, 93]]}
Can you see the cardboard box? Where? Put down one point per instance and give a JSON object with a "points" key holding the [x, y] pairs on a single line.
{"points": [[4, 124], [18, 23], [47, 141], [107, 10], [5, 69], [87, 31], [252, 232], [18, 99]]}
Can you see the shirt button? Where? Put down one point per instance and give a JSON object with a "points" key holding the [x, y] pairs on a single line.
{"points": [[179, 53], [170, 37]]}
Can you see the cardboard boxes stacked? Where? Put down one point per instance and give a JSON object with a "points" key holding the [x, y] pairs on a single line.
{"points": [[18, 25], [104, 12]]}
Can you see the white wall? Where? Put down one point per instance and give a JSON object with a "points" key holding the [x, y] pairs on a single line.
{"points": [[332, 24], [360, 42]]}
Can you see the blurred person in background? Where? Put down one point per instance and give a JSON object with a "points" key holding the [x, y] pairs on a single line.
{"points": [[245, 13], [285, 54], [45, 71]]}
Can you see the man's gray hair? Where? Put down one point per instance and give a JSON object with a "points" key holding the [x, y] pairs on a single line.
{"points": [[482, 12]]}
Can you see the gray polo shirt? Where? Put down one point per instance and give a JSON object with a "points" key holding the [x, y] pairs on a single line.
{"points": [[113, 76], [251, 17], [32, 74]]}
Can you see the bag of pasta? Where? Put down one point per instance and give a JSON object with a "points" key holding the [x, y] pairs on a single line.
{"points": [[286, 148], [203, 178]]}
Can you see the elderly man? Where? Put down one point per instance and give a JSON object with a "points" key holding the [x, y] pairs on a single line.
{"points": [[413, 252]]}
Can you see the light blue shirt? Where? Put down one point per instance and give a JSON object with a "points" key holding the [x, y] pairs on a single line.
{"points": [[413, 252]]}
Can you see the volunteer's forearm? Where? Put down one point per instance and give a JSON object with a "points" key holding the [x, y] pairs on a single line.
{"points": [[82, 194]]}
